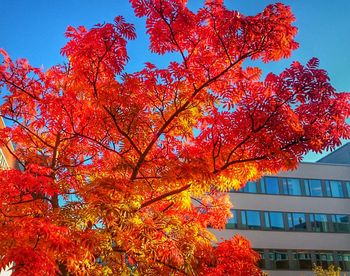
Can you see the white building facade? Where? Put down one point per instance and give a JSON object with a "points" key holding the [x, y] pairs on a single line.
{"points": [[297, 218]]}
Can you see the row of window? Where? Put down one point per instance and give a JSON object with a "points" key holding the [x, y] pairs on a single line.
{"points": [[272, 259], [283, 221], [299, 187]]}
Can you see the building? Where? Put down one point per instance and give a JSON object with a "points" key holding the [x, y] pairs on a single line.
{"points": [[298, 218]]}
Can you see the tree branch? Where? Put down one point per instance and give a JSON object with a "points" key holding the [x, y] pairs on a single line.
{"points": [[158, 198]]}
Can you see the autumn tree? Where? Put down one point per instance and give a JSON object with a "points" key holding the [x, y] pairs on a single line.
{"points": [[123, 173]]}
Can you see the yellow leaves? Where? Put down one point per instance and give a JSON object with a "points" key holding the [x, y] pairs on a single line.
{"points": [[184, 199], [225, 183]]}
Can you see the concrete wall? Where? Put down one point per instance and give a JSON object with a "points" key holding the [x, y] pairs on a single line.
{"points": [[290, 240], [319, 171], [290, 203], [289, 273]]}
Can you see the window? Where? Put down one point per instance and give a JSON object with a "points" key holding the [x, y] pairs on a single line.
{"points": [[251, 219], [303, 260], [261, 263], [334, 188], [291, 186], [319, 223], [341, 223], [347, 184], [296, 222], [324, 259], [232, 222], [279, 259], [270, 185], [274, 220], [250, 187], [313, 187], [344, 260]]}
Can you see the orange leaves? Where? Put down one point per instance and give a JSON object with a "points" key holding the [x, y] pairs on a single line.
{"points": [[134, 167], [233, 257]]}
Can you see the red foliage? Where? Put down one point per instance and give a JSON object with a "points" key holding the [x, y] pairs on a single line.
{"points": [[123, 172]]}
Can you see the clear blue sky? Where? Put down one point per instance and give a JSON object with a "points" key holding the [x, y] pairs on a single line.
{"points": [[35, 30]]}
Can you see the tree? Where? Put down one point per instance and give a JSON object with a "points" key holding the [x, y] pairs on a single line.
{"points": [[123, 173], [330, 271]]}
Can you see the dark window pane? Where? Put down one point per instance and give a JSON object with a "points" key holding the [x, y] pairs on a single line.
{"points": [[276, 221], [341, 223], [232, 222], [261, 262], [271, 185], [344, 261], [319, 222], [314, 187], [279, 259], [291, 186], [253, 219], [303, 259], [324, 259]]}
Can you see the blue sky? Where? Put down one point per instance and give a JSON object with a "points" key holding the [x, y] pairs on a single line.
{"points": [[35, 30]]}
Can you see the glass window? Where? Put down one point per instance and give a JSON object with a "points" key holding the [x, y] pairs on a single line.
{"points": [[313, 187], [324, 259], [279, 259], [344, 260], [232, 222], [319, 222], [347, 184], [261, 263], [250, 187], [296, 222], [271, 185], [291, 186], [341, 223], [251, 219], [303, 259], [274, 220], [334, 188]]}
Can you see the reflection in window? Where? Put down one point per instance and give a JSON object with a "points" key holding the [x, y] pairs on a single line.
{"points": [[334, 188], [303, 259], [279, 259], [270, 185], [313, 187], [319, 222], [341, 223], [274, 220], [296, 222], [250, 187], [324, 259], [232, 222], [344, 260], [291, 186], [347, 184], [251, 219]]}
